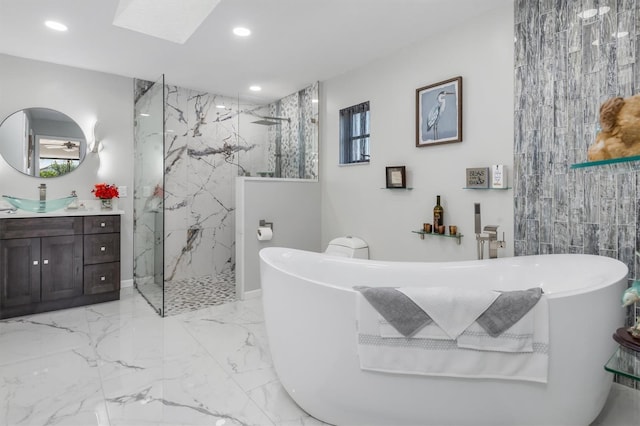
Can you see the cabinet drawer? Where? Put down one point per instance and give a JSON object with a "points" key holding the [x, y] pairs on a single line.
{"points": [[101, 278], [101, 224], [40, 227], [101, 248]]}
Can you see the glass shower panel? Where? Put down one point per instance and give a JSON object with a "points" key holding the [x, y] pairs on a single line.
{"points": [[148, 204]]}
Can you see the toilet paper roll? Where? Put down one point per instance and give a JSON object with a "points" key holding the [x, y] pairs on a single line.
{"points": [[264, 233]]}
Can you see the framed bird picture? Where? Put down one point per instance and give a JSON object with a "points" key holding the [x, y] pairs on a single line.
{"points": [[439, 113]]}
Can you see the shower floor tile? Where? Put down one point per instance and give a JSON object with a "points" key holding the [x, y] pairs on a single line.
{"points": [[192, 294]]}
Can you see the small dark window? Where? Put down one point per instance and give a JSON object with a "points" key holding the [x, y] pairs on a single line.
{"points": [[354, 134]]}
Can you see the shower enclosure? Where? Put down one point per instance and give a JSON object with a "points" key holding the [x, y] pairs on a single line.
{"points": [[189, 148], [148, 202]]}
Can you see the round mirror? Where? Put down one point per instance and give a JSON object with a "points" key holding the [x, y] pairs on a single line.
{"points": [[42, 142]]}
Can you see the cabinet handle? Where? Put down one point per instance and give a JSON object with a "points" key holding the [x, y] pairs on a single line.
{"points": [[35, 262], [102, 278], [103, 248], [102, 224], [45, 261]]}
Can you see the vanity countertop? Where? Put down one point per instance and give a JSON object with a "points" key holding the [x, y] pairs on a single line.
{"points": [[62, 212]]}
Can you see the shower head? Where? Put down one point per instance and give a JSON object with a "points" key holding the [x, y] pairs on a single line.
{"points": [[265, 122], [270, 121]]}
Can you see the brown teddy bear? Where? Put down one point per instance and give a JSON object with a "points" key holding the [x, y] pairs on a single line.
{"points": [[620, 134]]}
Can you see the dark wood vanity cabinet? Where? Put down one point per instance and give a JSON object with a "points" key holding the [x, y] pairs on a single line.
{"points": [[58, 262]]}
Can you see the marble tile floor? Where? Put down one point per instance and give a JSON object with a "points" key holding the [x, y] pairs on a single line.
{"points": [[119, 363]]}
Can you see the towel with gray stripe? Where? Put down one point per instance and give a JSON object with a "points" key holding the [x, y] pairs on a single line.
{"points": [[402, 312]]}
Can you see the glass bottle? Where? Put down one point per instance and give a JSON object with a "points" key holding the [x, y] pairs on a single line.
{"points": [[438, 215]]}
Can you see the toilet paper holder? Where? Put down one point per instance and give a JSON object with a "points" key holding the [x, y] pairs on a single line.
{"points": [[265, 223]]}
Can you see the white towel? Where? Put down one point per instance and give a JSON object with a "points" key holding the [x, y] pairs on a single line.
{"points": [[442, 357], [453, 309], [517, 338], [429, 331]]}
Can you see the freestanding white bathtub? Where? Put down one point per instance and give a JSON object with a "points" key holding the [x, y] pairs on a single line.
{"points": [[309, 308]]}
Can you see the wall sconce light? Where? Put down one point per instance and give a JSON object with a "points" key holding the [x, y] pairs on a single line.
{"points": [[97, 137]]}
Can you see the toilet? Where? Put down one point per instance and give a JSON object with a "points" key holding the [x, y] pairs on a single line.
{"points": [[348, 247]]}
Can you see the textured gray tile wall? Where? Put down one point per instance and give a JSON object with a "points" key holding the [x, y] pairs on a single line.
{"points": [[565, 67]]}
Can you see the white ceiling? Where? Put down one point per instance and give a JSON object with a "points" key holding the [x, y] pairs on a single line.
{"points": [[293, 42]]}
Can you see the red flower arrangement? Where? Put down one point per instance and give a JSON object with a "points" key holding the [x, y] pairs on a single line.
{"points": [[105, 191]]}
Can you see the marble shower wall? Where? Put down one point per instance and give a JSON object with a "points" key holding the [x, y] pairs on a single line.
{"points": [[565, 67], [295, 142], [204, 153]]}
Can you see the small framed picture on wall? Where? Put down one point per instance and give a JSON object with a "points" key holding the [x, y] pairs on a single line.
{"points": [[396, 177]]}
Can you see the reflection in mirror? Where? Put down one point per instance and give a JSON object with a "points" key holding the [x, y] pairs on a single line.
{"points": [[42, 142]]}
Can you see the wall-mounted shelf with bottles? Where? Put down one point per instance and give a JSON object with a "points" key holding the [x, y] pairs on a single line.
{"points": [[435, 234]]}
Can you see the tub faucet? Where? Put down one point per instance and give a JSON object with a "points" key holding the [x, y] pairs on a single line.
{"points": [[494, 243], [491, 236], [43, 191]]}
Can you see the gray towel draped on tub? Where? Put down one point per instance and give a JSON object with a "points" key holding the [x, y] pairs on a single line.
{"points": [[408, 318]]}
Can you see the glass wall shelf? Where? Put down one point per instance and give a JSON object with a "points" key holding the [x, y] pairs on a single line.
{"points": [[605, 162], [625, 362], [435, 234]]}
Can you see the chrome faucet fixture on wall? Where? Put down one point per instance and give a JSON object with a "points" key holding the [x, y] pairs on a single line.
{"points": [[491, 236]]}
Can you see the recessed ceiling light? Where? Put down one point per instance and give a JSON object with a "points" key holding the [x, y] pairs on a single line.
{"points": [[255, 88], [144, 114], [603, 9], [169, 130], [590, 13], [242, 32], [56, 26], [220, 106], [314, 101]]}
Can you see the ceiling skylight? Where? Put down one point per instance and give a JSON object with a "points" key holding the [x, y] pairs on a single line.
{"points": [[255, 88], [173, 20]]}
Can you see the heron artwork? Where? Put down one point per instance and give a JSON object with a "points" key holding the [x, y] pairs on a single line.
{"points": [[436, 112]]}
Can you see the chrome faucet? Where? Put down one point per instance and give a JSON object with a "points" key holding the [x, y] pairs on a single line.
{"points": [[43, 191], [491, 236]]}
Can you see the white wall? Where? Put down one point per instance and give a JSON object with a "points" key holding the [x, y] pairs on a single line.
{"points": [[85, 96], [292, 205], [481, 51]]}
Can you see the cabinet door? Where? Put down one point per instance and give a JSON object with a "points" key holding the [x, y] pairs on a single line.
{"points": [[20, 277], [61, 267]]}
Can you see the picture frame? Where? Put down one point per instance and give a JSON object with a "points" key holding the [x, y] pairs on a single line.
{"points": [[439, 113], [477, 177], [396, 177]]}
